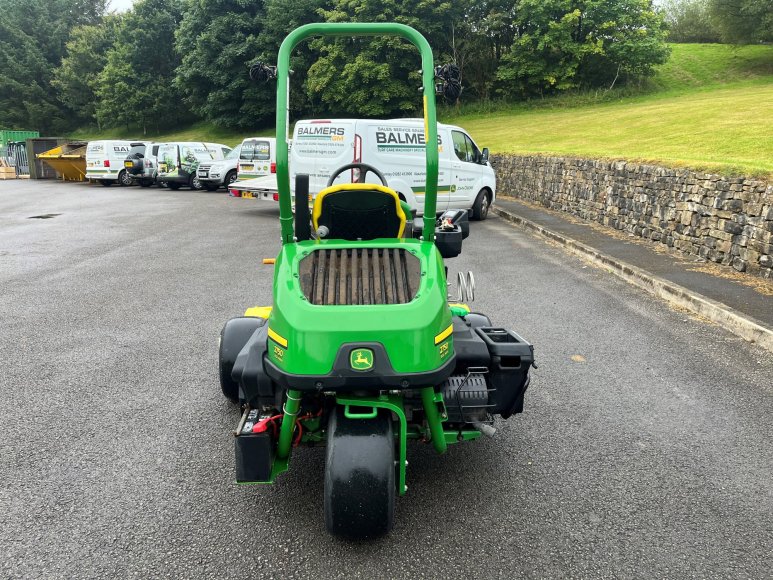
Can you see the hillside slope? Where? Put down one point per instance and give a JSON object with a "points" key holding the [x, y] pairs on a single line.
{"points": [[709, 107]]}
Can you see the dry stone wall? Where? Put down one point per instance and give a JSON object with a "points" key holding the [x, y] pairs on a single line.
{"points": [[724, 220]]}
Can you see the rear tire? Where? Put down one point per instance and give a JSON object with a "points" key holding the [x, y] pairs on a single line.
{"points": [[359, 476], [173, 185], [233, 337], [481, 206], [106, 182], [124, 179]]}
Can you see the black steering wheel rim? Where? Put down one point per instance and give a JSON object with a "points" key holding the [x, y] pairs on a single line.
{"points": [[364, 169]]}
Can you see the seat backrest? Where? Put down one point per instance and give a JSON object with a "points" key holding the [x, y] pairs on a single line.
{"points": [[359, 211]]}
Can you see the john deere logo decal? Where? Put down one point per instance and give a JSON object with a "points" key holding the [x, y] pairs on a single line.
{"points": [[361, 359]]}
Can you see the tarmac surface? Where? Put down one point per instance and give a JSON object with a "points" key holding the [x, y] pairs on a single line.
{"points": [[644, 449]]}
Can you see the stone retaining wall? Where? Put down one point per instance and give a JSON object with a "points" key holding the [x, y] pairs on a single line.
{"points": [[724, 220]]}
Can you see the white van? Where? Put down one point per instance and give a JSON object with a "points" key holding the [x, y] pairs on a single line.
{"points": [[257, 157], [104, 162], [178, 162], [396, 148]]}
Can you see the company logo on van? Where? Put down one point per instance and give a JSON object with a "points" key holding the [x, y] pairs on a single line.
{"points": [[316, 132], [402, 141], [121, 149]]}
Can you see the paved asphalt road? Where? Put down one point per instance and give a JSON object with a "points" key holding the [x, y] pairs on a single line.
{"points": [[645, 449]]}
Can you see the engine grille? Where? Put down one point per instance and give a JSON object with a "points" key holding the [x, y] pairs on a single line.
{"points": [[360, 276]]}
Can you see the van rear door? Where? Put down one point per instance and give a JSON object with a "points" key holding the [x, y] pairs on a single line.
{"points": [[168, 159], [257, 158], [319, 148]]}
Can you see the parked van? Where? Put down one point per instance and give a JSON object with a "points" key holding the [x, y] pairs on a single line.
{"points": [[104, 162], [141, 163], [257, 157], [178, 162], [216, 173], [396, 147]]}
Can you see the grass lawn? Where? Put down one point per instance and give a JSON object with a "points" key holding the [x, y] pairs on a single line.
{"points": [[729, 130], [710, 107]]}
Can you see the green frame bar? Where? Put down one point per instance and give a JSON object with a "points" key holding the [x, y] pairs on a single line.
{"points": [[283, 115]]}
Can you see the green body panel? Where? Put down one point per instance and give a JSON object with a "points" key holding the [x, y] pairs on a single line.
{"points": [[314, 334]]}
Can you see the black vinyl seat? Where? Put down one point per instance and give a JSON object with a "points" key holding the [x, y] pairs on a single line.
{"points": [[359, 211]]}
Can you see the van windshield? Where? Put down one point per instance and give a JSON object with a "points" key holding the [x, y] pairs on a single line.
{"points": [[234, 153], [256, 149]]}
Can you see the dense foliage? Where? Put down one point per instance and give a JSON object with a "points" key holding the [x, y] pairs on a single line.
{"points": [[743, 21], [689, 21], [66, 63]]}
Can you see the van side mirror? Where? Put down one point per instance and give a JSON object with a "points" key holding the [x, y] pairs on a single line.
{"points": [[484, 156]]}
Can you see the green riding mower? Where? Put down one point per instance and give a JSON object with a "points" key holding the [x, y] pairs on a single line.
{"points": [[362, 351]]}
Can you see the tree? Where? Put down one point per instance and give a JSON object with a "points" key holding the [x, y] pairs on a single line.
{"points": [[377, 77], [76, 78], [689, 21], [743, 21], [564, 44], [136, 88], [32, 43]]}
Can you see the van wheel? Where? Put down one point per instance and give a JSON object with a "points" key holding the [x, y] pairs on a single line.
{"points": [[481, 206], [173, 185], [124, 178], [106, 182]]}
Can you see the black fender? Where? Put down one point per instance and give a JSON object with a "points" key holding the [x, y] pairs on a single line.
{"points": [[360, 475], [233, 337]]}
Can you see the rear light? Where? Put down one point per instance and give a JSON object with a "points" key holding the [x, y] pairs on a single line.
{"points": [[235, 192], [107, 163], [276, 197], [273, 168]]}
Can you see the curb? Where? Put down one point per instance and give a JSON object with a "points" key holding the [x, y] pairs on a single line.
{"points": [[728, 318]]}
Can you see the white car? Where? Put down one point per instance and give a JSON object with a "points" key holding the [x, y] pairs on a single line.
{"points": [[216, 173]]}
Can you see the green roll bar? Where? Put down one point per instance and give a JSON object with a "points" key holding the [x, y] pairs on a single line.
{"points": [[283, 112]]}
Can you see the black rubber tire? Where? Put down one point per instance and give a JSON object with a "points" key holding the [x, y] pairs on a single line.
{"points": [[146, 182], [211, 186], [359, 476], [230, 177], [173, 185], [195, 183], [124, 179], [106, 182], [481, 206], [233, 337]]}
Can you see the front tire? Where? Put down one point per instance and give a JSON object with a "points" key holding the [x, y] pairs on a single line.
{"points": [[230, 177], [481, 206], [211, 186], [195, 182], [359, 476]]}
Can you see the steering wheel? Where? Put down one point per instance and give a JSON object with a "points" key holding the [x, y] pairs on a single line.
{"points": [[364, 169]]}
